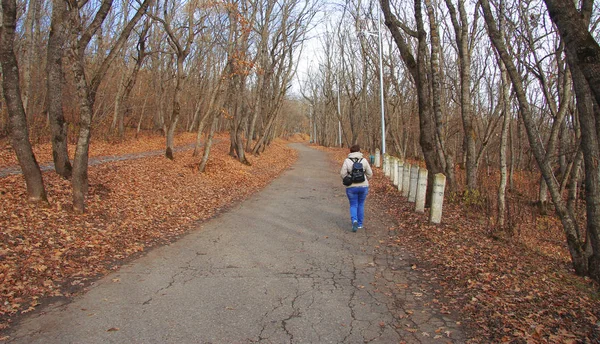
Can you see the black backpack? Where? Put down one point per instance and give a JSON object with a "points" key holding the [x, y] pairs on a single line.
{"points": [[358, 172]]}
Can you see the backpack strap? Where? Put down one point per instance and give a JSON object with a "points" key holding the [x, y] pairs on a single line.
{"points": [[353, 160]]}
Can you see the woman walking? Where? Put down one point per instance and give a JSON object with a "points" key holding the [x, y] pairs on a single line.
{"points": [[358, 190]]}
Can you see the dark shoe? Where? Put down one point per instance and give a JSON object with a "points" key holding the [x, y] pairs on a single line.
{"points": [[354, 226]]}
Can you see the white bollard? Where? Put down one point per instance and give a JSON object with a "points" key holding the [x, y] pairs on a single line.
{"points": [[437, 198], [396, 175], [385, 163], [421, 191], [406, 179], [395, 171], [414, 180], [400, 175], [377, 158]]}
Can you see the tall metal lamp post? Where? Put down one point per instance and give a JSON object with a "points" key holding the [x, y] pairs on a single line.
{"points": [[378, 34], [339, 111]]}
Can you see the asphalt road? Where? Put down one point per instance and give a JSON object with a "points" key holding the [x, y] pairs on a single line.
{"points": [[281, 267]]}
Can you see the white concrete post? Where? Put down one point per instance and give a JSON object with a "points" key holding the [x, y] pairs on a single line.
{"points": [[395, 172], [377, 158], [400, 175], [406, 180], [414, 180], [385, 160], [396, 175], [437, 198], [421, 191], [387, 165]]}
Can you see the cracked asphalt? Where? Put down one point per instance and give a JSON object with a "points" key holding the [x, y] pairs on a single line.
{"points": [[281, 267]]}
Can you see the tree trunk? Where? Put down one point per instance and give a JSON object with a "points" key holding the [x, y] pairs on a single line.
{"points": [[54, 90], [260, 77], [210, 109], [263, 139], [588, 117], [436, 94], [87, 91], [19, 131], [583, 56], [255, 112], [503, 147], [573, 185], [139, 125], [80, 163], [126, 100], [511, 179], [239, 117], [33, 9], [418, 71], [117, 114], [461, 31], [426, 121], [582, 48], [174, 118], [208, 143]]}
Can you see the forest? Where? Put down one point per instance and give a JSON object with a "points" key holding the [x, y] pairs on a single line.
{"points": [[489, 93], [109, 68], [501, 96]]}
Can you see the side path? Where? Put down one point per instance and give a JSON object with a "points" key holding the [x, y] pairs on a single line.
{"points": [[282, 267], [7, 171]]}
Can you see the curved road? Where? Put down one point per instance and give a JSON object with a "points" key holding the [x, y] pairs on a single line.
{"points": [[281, 267]]}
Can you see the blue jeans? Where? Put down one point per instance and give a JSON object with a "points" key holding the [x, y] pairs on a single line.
{"points": [[357, 197]]}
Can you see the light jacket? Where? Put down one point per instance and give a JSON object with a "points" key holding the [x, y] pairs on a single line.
{"points": [[347, 169]]}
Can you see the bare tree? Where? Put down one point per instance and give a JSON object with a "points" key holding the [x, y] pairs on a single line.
{"points": [[261, 61], [86, 91], [19, 131], [574, 241], [32, 22], [463, 41], [583, 56], [180, 39], [241, 16], [506, 113], [436, 97], [294, 19], [418, 70], [127, 82]]}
